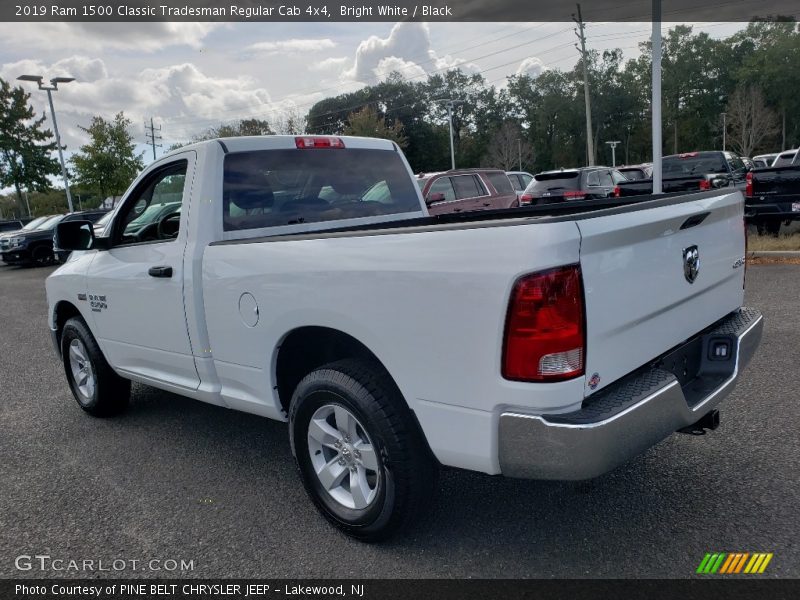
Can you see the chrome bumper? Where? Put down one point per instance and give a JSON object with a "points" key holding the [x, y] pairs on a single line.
{"points": [[629, 416]]}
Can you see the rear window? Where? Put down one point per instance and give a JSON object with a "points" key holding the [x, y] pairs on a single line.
{"points": [[784, 160], [676, 166], [271, 188], [633, 174], [500, 182], [566, 180]]}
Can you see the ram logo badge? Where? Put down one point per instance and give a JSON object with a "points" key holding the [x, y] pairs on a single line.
{"points": [[691, 263]]}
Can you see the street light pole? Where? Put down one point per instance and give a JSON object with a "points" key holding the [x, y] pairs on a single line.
{"points": [[655, 99], [519, 152], [724, 131], [53, 87], [450, 103], [613, 145]]}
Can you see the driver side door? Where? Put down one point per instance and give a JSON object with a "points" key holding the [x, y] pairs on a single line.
{"points": [[136, 287]]}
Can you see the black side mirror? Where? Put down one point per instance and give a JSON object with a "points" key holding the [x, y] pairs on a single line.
{"points": [[74, 235], [435, 197]]}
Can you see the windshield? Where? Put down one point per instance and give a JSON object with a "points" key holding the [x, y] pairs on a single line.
{"points": [[35, 223], [51, 222], [102, 221], [633, 174]]}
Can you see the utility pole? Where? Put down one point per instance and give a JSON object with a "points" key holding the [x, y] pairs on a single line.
{"points": [[519, 152], [655, 100], [450, 103], [724, 131], [582, 37], [152, 134], [613, 145]]}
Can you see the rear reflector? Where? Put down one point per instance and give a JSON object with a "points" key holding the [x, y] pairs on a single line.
{"points": [[705, 184], [748, 189], [544, 338], [318, 142]]}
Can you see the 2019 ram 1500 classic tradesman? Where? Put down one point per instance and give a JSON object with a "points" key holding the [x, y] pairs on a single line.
{"points": [[303, 280]]}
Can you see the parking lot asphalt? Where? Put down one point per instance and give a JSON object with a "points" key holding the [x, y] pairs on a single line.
{"points": [[177, 479]]}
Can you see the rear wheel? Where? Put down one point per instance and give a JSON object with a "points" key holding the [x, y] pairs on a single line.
{"points": [[97, 388], [361, 456], [772, 228]]}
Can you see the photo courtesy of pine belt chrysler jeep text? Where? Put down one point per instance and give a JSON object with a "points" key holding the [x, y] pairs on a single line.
{"points": [[302, 279]]}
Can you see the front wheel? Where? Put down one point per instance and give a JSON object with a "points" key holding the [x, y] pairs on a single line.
{"points": [[97, 388], [361, 455]]}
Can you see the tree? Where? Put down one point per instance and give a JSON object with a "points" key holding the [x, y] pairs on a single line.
{"points": [[507, 148], [108, 164], [368, 123], [751, 121], [244, 127], [25, 155]]}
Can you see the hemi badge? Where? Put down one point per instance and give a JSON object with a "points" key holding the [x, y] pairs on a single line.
{"points": [[82, 297]]}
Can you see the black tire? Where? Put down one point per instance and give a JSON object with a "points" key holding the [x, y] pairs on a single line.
{"points": [[110, 393], [408, 471], [42, 256], [772, 228]]}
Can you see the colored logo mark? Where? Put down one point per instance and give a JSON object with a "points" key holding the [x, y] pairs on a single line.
{"points": [[734, 562]]}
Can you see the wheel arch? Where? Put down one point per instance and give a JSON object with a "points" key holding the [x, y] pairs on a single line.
{"points": [[63, 311]]}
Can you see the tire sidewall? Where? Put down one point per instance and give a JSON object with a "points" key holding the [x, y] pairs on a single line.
{"points": [[71, 332], [312, 393]]}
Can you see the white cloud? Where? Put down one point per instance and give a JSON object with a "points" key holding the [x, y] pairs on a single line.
{"points": [[532, 67], [407, 50], [97, 37], [293, 45], [333, 63]]}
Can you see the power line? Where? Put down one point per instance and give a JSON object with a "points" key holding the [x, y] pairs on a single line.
{"points": [[152, 135]]}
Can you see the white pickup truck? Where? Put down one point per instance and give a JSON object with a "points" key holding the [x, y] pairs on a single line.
{"points": [[302, 279]]}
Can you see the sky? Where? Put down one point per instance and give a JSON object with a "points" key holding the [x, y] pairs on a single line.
{"points": [[191, 76]]}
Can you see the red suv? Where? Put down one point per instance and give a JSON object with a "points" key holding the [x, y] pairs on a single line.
{"points": [[462, 190]]}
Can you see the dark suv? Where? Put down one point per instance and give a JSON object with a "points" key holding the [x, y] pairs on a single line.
{"points": [[463, 190], [36, 246], [572, 184]]}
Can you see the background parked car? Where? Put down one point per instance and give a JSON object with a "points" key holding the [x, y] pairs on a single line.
{"points": [[784, 159], [637, 172], [5, 238], [519, 181], [772, 196], [463, 190], [765, 160], [585, 183]]}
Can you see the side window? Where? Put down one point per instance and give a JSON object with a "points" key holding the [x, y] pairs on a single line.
{"points": [[737, 164], [501, 183], [152, 211], [617, 177], [467, 186], [443, 185], [605, 179], [593, 178], [516, 181]]}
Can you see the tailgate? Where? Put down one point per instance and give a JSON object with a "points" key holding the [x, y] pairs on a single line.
{"points": [[639, 300]]}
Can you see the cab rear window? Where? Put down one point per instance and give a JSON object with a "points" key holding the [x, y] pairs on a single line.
{"points": [[272, 188]]}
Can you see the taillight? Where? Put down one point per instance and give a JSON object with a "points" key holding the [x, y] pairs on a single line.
{"points": [[525, 199], [544, 338], [748, 189], [318, 142], [575, 195], [705, 184], [617, 191]]}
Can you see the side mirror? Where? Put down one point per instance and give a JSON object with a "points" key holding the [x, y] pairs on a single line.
{"points": [[435, 197], [74, 235]]}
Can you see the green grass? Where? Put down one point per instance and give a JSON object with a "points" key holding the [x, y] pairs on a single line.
{"points": [[782, 243]]}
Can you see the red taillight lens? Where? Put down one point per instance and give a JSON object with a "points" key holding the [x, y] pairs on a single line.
{"points": [[705, 184], [575, 195], [748, 189], [318, 142], [544, 337], [525, 199], [617, 191]]}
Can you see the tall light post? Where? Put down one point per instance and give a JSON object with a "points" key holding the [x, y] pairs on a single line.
{"points": [[724, 131], [53, 87], [655, 99], [450, 103], [614, 145]]}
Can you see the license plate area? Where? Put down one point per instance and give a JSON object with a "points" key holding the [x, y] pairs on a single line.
{"points": [[795, 206]]}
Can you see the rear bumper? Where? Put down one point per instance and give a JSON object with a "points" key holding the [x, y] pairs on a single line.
{"points": [[776, 209], [631, 415]]}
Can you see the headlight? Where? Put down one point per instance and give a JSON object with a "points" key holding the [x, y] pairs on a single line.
{"points": [[15, 241]]}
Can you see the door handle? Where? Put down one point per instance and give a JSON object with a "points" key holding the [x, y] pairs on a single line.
{"points": [[160, 271]]}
